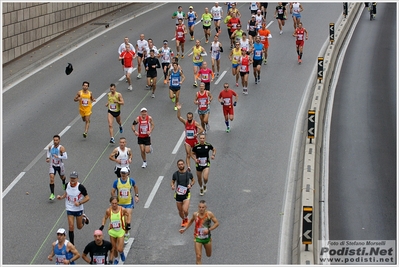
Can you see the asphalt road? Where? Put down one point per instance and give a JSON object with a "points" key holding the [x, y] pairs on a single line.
{"points": [[362, 178], [247, 177]]}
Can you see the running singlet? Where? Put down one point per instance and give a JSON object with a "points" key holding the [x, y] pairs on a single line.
{"points": [[244, 44], [254, 6], [62, 254], [215, 50], [259, 20], [236, 55], [216, 12], [142, 46], [206, 19], [263, 36], [227, 97], [238, 35], [113, 104], [252, 27], [85, 102], [280, 12], [233, 22], [203, 100], [197, 54], [144, 126], [180, 32], [295, 8], [191, 130], [127, 58], [258, 48], [299, 34], [191, 18], [179, 15], [124, 191], [205, 75], [244, 64], [117, 223], [166, 54], [73, 194], [56, 162], [123, 155], [200, 225], [175, 78]]}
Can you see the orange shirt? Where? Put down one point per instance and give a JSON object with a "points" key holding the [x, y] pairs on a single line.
{"points": [[263, 33]]}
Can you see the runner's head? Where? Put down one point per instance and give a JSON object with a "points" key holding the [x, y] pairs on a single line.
{"points": [[180, 164], [122, 142], [226, 86], [112, 88], [98, 237], [73, 178], [202, 138], [190, 116], [165, 43]]}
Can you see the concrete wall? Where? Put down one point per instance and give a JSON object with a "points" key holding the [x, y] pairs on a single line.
{"points": [[26, 26]]}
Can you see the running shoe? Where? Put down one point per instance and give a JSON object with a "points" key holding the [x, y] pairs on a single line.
{"points": [[85, 219], [207, 126], [299, 61], [151, 149], [175, 108], [84, 135], [281, 32], [120, 129], [192, 38], [204, 188], [184, 222], [130, 88], [52, 197], [147, 86], [236, 84], [112, 141], [201, 192], [126, 238], [256, 80], [217, 74], [116, 262], [144, 165], [174, 98], [228, 129], [123, 258], [182, 56], [139, 76], [152, 95], [64, 186], [188, 169], [177, 55], [265, 62], [206, 41], [195, 84]]}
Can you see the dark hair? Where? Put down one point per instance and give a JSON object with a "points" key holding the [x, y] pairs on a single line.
{"points": [[112, 85], [190, 113], [56, 135], [88, 84], [180, 160], [202, 201], [112, 198]]}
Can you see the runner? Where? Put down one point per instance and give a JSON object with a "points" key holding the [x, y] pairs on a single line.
{"points": [[122, 156], [234, 56], [253, 7], [232, 24], [127, 56], [179, 14], [55, 155], [99, 250], [191, 129], [202, 231], [206, 19], [246, 44], [116, 230], [203, 99], [226, 21], [197, 53], [63, 250], [296, 9], [122, 189], [146, 126], [75, 196], [203, 164], [176, 79], [217, 14], [265, 35], [244, 70], [191, 19], [165, 53], [299, 34], [85, 98], [226, 99], [151, 65], [237, 34], [115, 100], [206, 75], [141, 48], [180, 35], [216, 49], [252, 28], [259, 19], [263, 8], [281, 15], [122, 48], [257, 50], [234, 10], [182, 182]]}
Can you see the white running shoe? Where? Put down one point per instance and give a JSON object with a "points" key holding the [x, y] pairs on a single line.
{"points": [[151, 149], [144, 165], [153, 95], [139, 76], [130, 88]]}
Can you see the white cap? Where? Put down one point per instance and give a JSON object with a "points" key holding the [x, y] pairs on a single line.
{"points": [[143, 109], [61, 231], [124, 170]]}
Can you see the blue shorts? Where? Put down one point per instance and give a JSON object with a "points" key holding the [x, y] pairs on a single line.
{"points": [[234, 66], [128, 206], [203, 112], [75, 213], [297, 15], [191, 23], [198, 64], [216, 19]]}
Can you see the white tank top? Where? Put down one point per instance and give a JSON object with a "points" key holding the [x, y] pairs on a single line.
{"points": [[123, 156], [295, 8], [73, 195], [141, 45], [244, 44]]}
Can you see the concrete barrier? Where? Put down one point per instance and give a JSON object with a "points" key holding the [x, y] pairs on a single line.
{"points": [[310, 190]]}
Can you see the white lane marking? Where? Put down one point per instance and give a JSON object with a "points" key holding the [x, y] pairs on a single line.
{"points": [[126, 250], [153, 192], [270, 23], [178, 143], [60, 134], [45, 65], [221, 76], [99, 98], [174, 38], [16, 180]]}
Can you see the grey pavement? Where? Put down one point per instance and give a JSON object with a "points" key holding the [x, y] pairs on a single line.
{"points": [[21, 67]]}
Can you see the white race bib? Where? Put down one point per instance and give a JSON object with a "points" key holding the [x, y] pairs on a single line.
{"points": [[181, 190]]}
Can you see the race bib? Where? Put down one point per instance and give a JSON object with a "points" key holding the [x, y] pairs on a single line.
{"points": [[205, 76], [59, 259], [116, 225], [190, 134], [99, 260], [197, 57], [181, 190], [124, 193], [226, 101], [85, 102], [203, 103], [258, 53], [201, 234], [112, 107], [143, 129], [243, 68], [203, 161], [175, 82]]}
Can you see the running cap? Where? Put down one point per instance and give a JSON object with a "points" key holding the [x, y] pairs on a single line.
{"points": [[258, 11], [74, 174], [244, 48], [190, 7], [98, 232], [61, 231], [165, 41], [143, 109], [253, 16], [124, 170]]}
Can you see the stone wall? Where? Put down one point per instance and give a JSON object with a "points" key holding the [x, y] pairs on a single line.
{"points": [[26, 26]]}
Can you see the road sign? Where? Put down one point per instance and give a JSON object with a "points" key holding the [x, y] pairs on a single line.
{"points": [[307, 225], [332, 26], [320, 63], [311, 124]]}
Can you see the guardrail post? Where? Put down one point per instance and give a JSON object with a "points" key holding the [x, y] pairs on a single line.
{"points": [[332, 26], [311, 124], [320, 65], [307, 226], [345, 7]]}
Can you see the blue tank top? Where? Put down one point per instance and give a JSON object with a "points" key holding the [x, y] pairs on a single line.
{"points": [[258, 51], [175, 79], [61, 253], [191, 17]]}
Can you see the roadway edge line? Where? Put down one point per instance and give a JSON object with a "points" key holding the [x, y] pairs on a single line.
{"points": [[153, 192]]}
